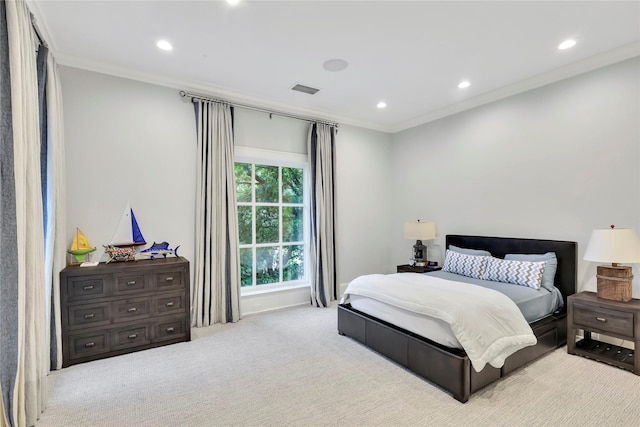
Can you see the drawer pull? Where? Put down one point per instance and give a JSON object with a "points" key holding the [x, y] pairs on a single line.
{"points": [[89, 316], [170, 330], [89, 344], [601, 319], [132, 309], [87, 288], [133, 282], [170, 304], [168, 279], [133, 336]]}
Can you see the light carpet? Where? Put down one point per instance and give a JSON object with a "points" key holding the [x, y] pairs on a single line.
{"points": [[291, 367]]}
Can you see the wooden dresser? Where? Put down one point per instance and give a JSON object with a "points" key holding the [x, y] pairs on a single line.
{"points": [[121, 307]]}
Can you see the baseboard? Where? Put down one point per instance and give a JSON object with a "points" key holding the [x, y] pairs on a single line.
{"points": [[277, 299]]}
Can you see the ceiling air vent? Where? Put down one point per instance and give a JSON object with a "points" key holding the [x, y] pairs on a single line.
{"points": [[305, 89]]}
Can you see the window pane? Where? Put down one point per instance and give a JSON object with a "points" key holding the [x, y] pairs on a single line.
{"points": [[267, 224], [292, 185], [266, 184], [292, 223], [246, 267], [293, 262], [245, 221], [267, 265], [243, 181]]}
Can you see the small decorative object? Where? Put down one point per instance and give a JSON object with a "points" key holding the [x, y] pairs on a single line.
{"points": [[614, 245], [159, 249], [80, 247], [120, 254], [127, 232], [419, 231]]}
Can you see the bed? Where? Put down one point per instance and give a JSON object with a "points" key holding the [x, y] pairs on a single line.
{"points": [[449, 367]]}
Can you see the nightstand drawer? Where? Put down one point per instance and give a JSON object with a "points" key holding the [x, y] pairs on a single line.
{"points": [[604, 320]]}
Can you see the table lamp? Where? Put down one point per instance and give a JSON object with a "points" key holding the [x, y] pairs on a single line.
{"points": [[419, 231], [614, 245]]}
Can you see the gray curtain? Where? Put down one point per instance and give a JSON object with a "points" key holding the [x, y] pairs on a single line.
{"points": [[8, 238], [216, 288], [321, 151]]}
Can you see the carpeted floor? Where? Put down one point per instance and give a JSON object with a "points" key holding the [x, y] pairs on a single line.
{"points": [[290, 367]]}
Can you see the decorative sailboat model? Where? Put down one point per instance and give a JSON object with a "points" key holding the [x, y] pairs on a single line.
{"points": [[128, 232], [80, 247], [126, 237]]}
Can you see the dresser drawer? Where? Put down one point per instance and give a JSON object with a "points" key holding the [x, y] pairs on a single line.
{"points": [[170, 328], [130, 336], [89, 315], [167, 280], [603, 320], [87, 287], [169, 304], [130, 309], [131, 283], [85, 345]]}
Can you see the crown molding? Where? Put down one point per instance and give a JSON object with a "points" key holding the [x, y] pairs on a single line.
{"points": [[604, 59]]}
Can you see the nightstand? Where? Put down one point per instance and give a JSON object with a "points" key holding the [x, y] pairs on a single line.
{"points": [[406, 268], [607, 317]]}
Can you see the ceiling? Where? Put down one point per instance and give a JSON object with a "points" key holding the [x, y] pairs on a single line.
{"points": [[409, 54]]}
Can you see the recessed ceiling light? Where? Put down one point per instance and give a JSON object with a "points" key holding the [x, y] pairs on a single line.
{"points": [[164, 45], [464, 84], [381, 104], [335, 65], [233, 2], [567, 44]]}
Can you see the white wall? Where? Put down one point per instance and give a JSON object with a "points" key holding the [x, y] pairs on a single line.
{"points": [[554, 162], [132, 141]]}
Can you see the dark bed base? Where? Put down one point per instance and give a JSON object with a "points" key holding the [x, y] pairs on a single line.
{"points": [[451, 368]]}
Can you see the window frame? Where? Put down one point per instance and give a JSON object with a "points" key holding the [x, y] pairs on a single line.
{"points": [[257, 156]]}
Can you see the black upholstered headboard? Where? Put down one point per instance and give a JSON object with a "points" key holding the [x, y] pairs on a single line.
{"points": [[566, 252]]}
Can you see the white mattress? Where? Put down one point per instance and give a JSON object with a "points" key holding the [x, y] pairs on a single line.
{"points": [[428, 327]]}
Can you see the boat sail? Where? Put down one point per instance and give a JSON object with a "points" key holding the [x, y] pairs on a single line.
{"points": [[128, 232], [80, 246]]}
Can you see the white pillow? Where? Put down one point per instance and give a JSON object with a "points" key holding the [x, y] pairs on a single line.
{"points": [[524, 273], [464, 264]]}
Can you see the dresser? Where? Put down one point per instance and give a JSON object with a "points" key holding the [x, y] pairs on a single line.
{"points": [[121, 307]]}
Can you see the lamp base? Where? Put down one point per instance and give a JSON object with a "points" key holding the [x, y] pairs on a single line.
{"points": [[614, 282]]}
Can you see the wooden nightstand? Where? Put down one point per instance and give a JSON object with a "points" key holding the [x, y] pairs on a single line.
{"points": [[406, 268], [611, 318]]}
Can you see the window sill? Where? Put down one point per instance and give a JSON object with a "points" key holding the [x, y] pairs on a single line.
{"points": [[266, 289]]}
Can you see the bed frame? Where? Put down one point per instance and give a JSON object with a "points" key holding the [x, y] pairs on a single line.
{"points": [[451, 368]]}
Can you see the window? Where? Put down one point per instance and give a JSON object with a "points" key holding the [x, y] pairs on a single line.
{"points": [[272, 222]]}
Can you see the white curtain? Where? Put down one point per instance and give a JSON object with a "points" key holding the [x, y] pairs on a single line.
{"points": [[29, 392], [56, 248], [321, 151], [216, 288]]}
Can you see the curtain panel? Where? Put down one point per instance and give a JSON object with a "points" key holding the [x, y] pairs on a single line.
{"points": [[56, 201], [321, 149], [9, 312], [24, 341], [216, 290]]}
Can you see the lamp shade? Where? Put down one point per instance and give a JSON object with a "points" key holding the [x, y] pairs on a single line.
{"points": [[420, 230], [614, 245]]}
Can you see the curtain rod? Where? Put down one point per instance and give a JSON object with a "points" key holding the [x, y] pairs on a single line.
{"points": [[254, 108]]}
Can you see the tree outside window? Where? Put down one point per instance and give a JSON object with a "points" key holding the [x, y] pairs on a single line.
{"points": [[271, 223]]}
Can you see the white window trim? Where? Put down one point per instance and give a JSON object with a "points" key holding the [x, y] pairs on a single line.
{"points": [[283, 159]]}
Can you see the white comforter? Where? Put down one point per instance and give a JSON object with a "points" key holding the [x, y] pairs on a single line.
{"points": [[488, 324]]}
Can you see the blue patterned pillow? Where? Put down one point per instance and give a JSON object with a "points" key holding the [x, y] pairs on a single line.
{"points": [[524, 273], [465, 265]]}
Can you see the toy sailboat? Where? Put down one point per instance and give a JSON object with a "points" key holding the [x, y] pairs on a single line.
{"points": [[128, 232], [80, 246]]}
